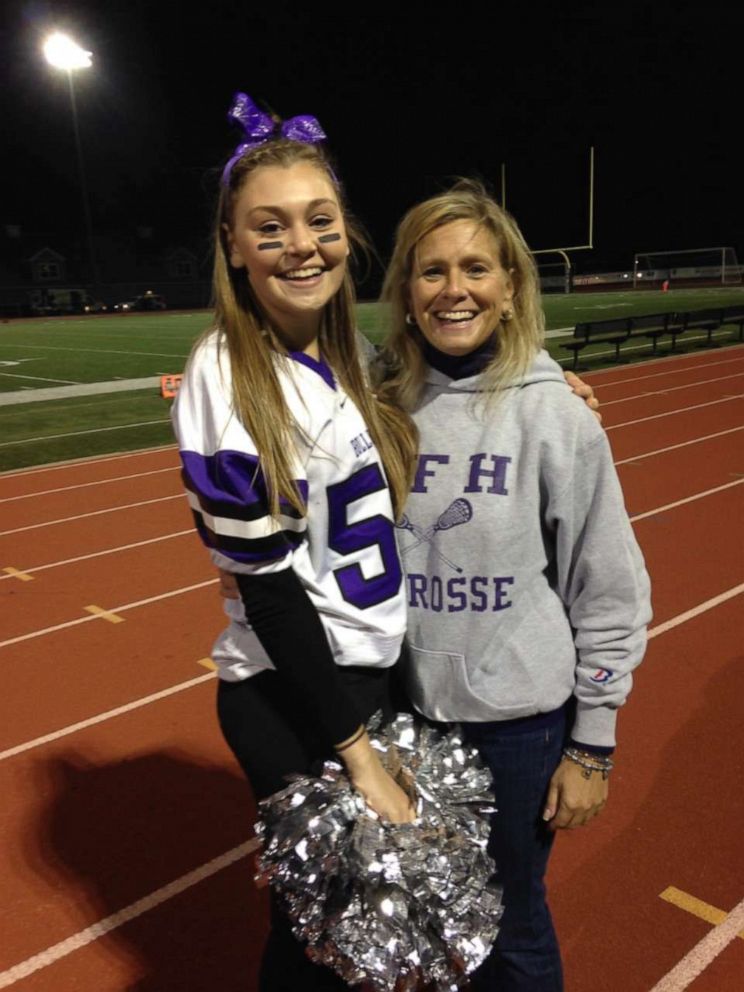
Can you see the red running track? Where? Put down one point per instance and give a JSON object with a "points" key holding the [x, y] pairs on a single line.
{"points": [[117, 783]]}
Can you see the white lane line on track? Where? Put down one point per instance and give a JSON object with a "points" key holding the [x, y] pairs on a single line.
{"points": [[95, 430], [682, 444], [108, 715], [687, 499], [709, 604], [131, 912], [686, 368], [673, 389], [99, 554], [698, 958], [671, 413], [114, 609], [93, 513], [172, 690], [703, 953], [84, 485], [92, 460]]}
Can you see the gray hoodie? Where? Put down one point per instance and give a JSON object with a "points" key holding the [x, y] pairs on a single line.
{"points": [[525, 583]]}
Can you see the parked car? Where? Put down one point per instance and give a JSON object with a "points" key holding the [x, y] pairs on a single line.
{"points": [[146, 301], [95, 306]]}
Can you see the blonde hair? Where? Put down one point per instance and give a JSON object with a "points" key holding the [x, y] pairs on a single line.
{"points": [[518, 339], [252, 344]]}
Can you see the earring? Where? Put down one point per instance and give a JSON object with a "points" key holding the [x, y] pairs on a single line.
{"points": [[506, 315], [410, 320]]}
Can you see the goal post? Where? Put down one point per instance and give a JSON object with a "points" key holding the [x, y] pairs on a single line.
{"points": [[690, 267]]}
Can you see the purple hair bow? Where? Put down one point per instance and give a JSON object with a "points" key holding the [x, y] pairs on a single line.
{"points": [[260, 127]]}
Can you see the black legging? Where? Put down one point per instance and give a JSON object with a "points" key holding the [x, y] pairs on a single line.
{"points": [[266, 729]]}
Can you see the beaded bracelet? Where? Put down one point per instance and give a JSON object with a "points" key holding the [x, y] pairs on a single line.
{"points": [[338, 748], [590, 762]]}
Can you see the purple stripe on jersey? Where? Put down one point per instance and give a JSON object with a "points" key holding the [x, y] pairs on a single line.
{"points": [[321, 367], [231, 484], [248, 550]]}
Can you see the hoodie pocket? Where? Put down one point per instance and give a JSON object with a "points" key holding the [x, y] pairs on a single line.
{"points": [[441, 687]]}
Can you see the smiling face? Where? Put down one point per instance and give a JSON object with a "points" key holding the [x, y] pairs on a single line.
{"points": [[458, 289], [287, 230]]}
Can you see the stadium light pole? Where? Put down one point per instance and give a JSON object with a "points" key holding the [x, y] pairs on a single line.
{"points": [[63, 53]]}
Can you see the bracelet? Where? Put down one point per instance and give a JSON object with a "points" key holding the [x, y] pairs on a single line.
{"points": [[590, 762], [338, 748]]}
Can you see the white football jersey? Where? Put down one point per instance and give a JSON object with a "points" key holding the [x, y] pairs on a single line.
{"points": [[343, 550]]}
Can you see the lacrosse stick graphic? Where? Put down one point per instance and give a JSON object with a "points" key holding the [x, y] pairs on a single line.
{"points": [[458, 512]]}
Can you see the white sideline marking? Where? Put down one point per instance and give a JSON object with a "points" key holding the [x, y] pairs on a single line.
{"points": [[114, 609], [108, 715], [657, 375], [681, 502], [98, 554], [131, 912], [40, 378], [102, 351], [670, 413], [95, 430], [673, 389], [709, 604], [90, 460], [93, 513], [83, 485], [638, 351], [703, 953], [682, 444]]}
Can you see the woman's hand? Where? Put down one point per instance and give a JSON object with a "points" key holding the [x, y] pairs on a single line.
{"points": [[381, 791], [585, 392], [572, 799]]}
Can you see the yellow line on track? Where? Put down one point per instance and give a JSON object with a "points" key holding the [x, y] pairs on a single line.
{"points": [[98, 611], [16, 573], [703, 910]]}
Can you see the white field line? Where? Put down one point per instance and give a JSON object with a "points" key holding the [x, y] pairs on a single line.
{"points": [[108, 715], [709, 604], [131, 912], [686, 368], [39, 378], [695, 962], [671, 413], [99, 554], [90, 460], [703, 953], [83, 485], [103, 351], [673, 389], [687, 499], [673, 447], [93, 513], [114, 609], [95, 430]]}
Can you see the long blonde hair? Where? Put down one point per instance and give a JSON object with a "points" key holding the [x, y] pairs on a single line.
{"points": [[518, 340], [252, 344]]}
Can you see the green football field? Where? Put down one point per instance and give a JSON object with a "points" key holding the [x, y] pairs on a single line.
{"points": [[63, 352]]}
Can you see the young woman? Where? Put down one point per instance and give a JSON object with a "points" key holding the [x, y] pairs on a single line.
{"points": [[293, 470], [527, 595]]}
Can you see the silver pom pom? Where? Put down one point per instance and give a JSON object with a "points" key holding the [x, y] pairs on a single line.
{"points": [[398, 906]]}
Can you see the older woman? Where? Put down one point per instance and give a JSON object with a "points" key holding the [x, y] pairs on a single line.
{"points": [[527, 595]]}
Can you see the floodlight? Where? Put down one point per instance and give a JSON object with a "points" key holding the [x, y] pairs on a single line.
{"points": [[64, 53]]}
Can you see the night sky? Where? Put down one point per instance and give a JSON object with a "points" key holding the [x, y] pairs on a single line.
{"points": [[407, 100]]}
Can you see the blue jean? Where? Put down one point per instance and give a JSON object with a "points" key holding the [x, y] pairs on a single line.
{"points": [[525, 956]]}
